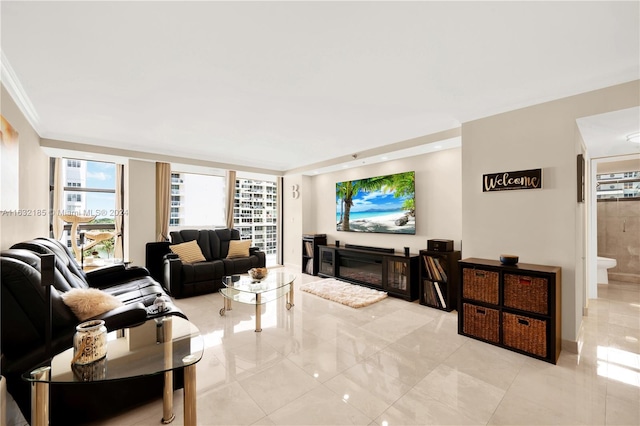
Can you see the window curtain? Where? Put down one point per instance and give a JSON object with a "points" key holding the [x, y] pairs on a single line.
{"points": [[119, 219], [58, 199], [163, 200], [231, 196]]}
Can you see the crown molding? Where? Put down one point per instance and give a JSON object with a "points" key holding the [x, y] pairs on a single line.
{"points": [[10, 80]]}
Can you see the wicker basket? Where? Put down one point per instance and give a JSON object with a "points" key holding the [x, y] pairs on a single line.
{"points": [[525, 333], [526, 293], [481, 322], [481, 285]]}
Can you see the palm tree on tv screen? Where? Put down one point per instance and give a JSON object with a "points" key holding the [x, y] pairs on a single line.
{"points": [[402, 184]]}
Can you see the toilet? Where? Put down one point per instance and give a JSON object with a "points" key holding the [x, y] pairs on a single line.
{"points": [[604, 263]]}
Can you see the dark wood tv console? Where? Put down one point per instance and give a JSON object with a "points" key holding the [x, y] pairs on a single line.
{"points": [[373, 267]]}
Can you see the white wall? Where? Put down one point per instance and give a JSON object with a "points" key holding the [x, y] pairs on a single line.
{"points": [[438, 204], [33, 180], [292, 218], [140, 201], [538, 225]]}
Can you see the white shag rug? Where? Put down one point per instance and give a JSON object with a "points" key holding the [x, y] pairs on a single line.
{"points": [[352, 295]]}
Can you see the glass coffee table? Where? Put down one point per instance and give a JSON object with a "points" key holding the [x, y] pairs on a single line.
{"points": [[244, 289], [157, 346]]}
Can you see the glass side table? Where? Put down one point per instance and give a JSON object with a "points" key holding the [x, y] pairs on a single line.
{"points": [[244, 289], [158, 346]]}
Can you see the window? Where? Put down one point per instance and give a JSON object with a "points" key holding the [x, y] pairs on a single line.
{"points": [[197, 200], [614, 186], [90, 191]]}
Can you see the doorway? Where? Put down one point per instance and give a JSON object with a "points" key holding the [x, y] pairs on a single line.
{"points": [[606, 138]]}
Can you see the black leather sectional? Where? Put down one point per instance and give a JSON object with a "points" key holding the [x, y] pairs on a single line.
{"points": [[23, 310]]}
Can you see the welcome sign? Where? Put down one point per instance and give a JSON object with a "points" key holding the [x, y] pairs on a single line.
{"points": [[503, 181]]}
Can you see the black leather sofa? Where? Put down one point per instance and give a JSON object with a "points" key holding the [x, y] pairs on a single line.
{"points": [[182, 279], [23, 310]]}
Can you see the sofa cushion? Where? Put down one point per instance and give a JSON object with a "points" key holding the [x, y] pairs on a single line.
{"points": [[201, 237], [23, 306], [89, 302], [72, 275], [224, 236], [203, 271], [238, 248], [136, 292], [188, 252], [240, 265]]}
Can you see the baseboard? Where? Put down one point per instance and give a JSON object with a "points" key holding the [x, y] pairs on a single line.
{"points": [[570, 346], [575, 347]]}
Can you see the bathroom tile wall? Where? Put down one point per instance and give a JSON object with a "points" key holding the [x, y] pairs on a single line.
{"points": [[619, 237]]}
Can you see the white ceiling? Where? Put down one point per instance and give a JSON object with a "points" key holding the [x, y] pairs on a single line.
{"points": [[291, 85], [605, 135]]}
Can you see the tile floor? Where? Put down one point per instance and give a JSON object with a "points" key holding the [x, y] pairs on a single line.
{"points": [[400, 363]]}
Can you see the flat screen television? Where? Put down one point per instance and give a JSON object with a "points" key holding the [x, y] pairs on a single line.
{"points": [[383, 204]]}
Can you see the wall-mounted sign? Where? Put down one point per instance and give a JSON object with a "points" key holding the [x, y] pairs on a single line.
{"points": [[522, 179]]}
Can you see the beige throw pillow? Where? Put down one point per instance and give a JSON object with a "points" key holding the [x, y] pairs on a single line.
{"points": [[188, 252], [238, 248], [89, 302]]}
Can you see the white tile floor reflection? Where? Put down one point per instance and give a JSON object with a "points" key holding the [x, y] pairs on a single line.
{"points": [[400, 363]]}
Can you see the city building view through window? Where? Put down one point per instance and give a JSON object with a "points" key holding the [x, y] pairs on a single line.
{"points": [[88, 194], [198, 201], [613, 186]]}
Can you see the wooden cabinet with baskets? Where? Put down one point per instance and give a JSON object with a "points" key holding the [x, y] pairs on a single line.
{"points": [[439, 279], [310, 243], [516, 307]]}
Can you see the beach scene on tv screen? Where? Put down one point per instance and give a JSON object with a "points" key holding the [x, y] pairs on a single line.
{"points": [[383, 204]]}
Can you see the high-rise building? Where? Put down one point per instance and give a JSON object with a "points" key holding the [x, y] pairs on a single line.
{"points": [[177, 213], [255, 213], [74, 175]]}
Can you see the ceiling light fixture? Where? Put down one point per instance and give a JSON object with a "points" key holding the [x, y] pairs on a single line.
{"points": [[634, 137]]}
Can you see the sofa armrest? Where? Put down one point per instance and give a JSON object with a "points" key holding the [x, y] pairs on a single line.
{"points": [[262, 257], [124, 316], [172, 280], [153, 260], [114, 275]]}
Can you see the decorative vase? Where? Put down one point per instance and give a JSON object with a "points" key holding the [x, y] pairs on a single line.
{"points": [[89, 342]]}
